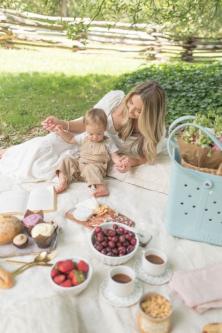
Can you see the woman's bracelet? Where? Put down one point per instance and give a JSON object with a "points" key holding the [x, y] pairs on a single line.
{"points": [[68, 125]]}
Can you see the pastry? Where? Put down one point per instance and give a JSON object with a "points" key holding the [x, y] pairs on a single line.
{"points": [[10, 226], [20, 241], [212, 328], [43, 234], [6, 279], [31, 220]]}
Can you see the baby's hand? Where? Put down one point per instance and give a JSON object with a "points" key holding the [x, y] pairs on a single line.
{"points": [[58, 129], [66, 136], [124, 164]]}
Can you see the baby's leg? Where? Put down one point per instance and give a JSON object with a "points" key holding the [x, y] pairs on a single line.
{"points": [[63, 182], [101, 190], [68, 170], [94, 175]]}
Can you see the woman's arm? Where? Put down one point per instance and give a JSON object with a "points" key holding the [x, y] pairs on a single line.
{"points": [[75, 126]]}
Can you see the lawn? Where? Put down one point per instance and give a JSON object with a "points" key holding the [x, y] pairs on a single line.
{"points": [[35, 83]]}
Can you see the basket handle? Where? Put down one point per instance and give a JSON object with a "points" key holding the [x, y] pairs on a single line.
{"points": [[179, 120], [171, 142]]}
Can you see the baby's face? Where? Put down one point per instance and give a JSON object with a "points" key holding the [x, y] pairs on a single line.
{"points": [[95, 132]]}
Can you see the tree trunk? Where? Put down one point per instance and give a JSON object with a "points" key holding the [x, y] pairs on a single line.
{"points": [[188, 45], [64, 8]]}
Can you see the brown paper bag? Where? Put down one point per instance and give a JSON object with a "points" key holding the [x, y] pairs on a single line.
{"points": [[198, 156], [217, 172]]}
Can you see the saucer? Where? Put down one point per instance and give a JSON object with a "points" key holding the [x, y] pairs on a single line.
{"points": [[151, 279], [121, 301]]}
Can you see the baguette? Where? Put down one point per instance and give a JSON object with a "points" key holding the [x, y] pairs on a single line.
{"points": [[212, 328]]}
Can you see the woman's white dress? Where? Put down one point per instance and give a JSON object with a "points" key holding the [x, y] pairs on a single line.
{"points": [[37, 159]]}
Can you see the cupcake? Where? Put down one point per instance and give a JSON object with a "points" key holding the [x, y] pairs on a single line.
{"points": [[43, 234], [20, 241], [31, 220]]}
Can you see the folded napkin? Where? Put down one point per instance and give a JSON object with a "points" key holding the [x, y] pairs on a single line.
{"points": [[200, 289]]}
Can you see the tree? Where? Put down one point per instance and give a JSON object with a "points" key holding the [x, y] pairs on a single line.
{"points": [[64, 8]]}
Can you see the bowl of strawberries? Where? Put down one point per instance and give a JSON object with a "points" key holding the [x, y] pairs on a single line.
{"points": [[71, 275]]}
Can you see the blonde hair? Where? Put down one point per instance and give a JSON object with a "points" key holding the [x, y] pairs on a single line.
{"points": [[151, 121], [95, 116]]}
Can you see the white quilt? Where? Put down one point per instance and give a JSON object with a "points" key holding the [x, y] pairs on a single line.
{"points": [[34, 306]]}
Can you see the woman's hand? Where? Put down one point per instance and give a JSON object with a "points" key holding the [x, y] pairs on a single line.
{"points": [[50, 123]]}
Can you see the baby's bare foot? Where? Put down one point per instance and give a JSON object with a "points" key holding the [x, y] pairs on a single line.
{"points": [[100, 191], [63, 183]]}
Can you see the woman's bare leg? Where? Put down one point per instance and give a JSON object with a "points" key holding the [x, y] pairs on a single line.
{"points": [[63, 183]]}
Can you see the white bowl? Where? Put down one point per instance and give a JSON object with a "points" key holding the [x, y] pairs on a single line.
{"points": [[109, 260], [74, 290]]}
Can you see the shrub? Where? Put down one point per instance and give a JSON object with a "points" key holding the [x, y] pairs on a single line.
{"points": [[190, 88]]}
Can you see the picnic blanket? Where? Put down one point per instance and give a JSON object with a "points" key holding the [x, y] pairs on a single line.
{"points": [[34, 306]]}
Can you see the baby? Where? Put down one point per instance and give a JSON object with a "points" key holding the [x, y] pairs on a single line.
{"points": [[95, 152]]}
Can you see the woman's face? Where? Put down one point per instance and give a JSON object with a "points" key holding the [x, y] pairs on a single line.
{"points": [[134, 106]]}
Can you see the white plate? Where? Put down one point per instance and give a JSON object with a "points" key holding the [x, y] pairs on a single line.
{"points": [[150, 279], [121, 301]]}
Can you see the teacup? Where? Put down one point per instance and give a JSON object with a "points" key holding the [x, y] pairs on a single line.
{"points": [[154, 262], [121, 281]]}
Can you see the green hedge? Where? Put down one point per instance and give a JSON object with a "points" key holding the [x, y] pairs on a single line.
{"points": [[190, 88]]}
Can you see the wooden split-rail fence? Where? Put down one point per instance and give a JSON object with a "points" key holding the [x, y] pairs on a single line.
{"points": [[150, 39]]}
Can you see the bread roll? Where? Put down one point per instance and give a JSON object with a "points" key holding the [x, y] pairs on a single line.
{"points": [[10, 226]]}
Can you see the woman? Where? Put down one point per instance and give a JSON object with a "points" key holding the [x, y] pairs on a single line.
{"points": [[136, 123]]}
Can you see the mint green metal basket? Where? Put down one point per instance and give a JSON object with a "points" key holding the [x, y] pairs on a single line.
{"points": [[194, 209]]}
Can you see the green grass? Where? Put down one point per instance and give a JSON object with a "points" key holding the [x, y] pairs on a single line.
{"points": [[46, 60], [26, 99], [36, 83]]}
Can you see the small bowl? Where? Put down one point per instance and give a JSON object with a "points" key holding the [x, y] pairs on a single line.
{"points": [[74, 290], [158, 319], [113, 260]]}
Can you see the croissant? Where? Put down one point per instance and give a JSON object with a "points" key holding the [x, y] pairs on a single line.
{"points": [[6, 279]]}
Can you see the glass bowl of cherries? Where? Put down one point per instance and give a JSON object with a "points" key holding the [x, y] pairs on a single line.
{"points": [[114, 243]]}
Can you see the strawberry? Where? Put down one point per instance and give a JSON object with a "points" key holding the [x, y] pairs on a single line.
{"points": [[83, 266], [54, 272], [58, 279], [77, 277], [71, 274], [67, 283], [57, 264], [65, 266]]}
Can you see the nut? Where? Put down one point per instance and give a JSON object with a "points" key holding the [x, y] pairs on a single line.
{"points": [[156, 306]]}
